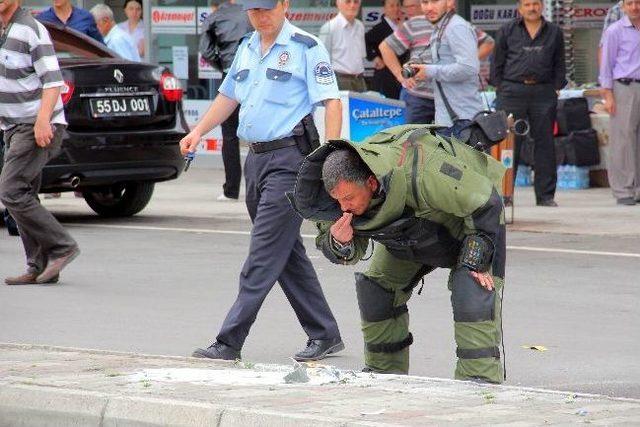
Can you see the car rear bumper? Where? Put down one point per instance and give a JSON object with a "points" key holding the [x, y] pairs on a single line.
{"points": [[98, 159]]}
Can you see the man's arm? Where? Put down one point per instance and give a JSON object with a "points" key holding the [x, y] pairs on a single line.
{"points": [[349, 254], [609, 54], [485, 49], [392, 62], [42, 128], [332, 119], [559, 66], [499, 58], [220, 110]]}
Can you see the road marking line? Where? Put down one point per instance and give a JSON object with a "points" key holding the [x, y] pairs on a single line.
{"points": [[312, 236]]}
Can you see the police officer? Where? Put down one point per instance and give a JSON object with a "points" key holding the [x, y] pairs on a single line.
{"points": [[278, 76], [428, 203]]}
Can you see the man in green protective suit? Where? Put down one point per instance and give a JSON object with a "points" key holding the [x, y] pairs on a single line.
{"points": [[428, 202]]}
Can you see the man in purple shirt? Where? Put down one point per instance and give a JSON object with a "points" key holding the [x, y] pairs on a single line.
{"points": [[620, 81], [64, 13]]}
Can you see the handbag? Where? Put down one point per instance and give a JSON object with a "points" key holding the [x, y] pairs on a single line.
{"points": [[487, 128]]}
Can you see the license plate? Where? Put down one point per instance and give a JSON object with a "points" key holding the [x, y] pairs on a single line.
{"points": [[120, 107]]}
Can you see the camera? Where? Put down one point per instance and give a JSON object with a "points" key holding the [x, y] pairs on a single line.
{"points": [[408, 71]]}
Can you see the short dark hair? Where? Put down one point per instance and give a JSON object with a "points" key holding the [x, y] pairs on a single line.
{"points": [[126, 2], [344, 165]]}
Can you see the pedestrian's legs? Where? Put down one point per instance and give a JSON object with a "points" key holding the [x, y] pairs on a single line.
{"points": [[302, 288], [383, 292], [542, 113], [41, 233], [231, 156], [419, 110], [275, 233], [624, 158]]}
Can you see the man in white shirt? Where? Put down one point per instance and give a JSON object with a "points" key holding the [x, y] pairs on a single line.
{"points": [[115, 38], [343, 37]]}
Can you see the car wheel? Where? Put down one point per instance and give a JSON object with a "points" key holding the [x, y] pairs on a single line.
{"points": [[118, 200]]}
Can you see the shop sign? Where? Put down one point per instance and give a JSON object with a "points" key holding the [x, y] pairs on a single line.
{"points": [[194, 111], [202, 13], [310, 19], [371, 16], [173, 20], [590, 15], [367, 117], [492, 17], [206, 70]]}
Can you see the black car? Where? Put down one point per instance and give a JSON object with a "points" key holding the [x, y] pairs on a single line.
{"points": [[125, 121]]}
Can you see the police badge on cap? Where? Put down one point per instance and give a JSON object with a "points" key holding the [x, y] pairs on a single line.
{"points": [[259, 4]]}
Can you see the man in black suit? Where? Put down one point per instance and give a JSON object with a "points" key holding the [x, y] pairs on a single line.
{"points": [[383, 80]]}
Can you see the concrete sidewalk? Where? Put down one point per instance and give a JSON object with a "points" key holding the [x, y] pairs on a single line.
{"points": [[48, 386]]}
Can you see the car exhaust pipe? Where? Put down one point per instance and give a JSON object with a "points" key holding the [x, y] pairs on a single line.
{"points": [[73, 182]]}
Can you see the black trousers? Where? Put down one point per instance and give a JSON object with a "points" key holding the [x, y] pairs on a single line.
{"points": [[537, 104], [385, 82], [276, 253], [231, 155]]}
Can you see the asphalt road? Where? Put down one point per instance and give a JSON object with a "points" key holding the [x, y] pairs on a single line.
{"points": [[161, 283]]}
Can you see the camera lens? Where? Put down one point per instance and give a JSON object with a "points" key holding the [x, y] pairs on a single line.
{"points": [[408, 72]]}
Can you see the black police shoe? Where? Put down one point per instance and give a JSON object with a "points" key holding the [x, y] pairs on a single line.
{"points": [[319, 349], [217, 350]]}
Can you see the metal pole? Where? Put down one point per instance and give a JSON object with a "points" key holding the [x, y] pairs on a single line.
{"points": [[149, 56]]}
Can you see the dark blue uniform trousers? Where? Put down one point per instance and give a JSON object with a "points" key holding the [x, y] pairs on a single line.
{"points": [[276, 252]]}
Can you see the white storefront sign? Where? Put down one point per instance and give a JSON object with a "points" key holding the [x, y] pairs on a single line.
{"points": [[311, 19], [492, 17], [194, 110], [206, 71], [173, 20], [371, 16]]}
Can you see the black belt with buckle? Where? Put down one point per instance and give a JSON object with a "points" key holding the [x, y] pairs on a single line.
{"points": [[276, 144], [627, 82]]}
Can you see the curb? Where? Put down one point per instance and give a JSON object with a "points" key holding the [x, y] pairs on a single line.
{"points": [[34, 405], [92, 397]]}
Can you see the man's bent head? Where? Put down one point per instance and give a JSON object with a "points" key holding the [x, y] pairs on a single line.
{"points": [[349, 180]]}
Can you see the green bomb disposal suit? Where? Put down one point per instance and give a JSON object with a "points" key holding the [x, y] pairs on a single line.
{"points": [[434, 194]]}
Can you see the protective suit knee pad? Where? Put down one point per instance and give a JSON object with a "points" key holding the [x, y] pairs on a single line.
{"points": [[374, 301], [471, 302]]}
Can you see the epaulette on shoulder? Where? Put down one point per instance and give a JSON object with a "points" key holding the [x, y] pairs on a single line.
{"points": [[245, 37], [305, 40]]}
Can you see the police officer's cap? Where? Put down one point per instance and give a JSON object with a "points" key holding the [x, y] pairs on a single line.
{"points": [[259, 4]]}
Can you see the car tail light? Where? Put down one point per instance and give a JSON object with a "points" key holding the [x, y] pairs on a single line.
{"points": [[66, 92], [170, 87]]}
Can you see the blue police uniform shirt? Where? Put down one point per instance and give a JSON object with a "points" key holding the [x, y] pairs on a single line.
{"points": [[80, 20], [277, 90]]}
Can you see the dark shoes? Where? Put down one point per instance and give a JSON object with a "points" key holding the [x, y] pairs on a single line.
{"points": [[217, 350], [550, 203], [28, 279], [626, 201], [55, 266], [319, 349]]}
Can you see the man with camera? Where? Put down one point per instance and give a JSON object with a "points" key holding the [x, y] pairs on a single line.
{"points": [[454, 67]]}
